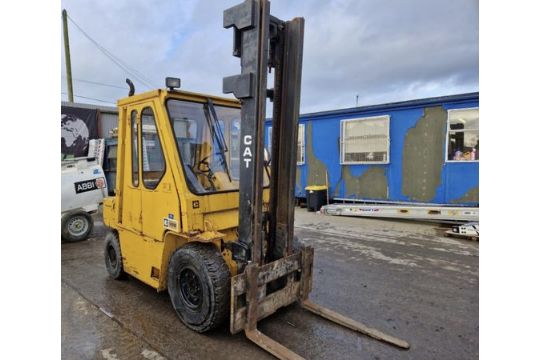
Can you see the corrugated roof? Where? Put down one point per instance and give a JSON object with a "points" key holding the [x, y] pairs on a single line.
{"points": [[101, 108]]}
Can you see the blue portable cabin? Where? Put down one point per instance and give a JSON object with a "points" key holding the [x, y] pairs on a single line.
{"points": [[419, 151]]}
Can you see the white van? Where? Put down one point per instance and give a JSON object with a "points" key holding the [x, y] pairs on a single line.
{"points": [[83, 188]]}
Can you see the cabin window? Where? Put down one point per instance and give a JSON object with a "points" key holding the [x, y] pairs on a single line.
{"points": [[235, 149], [269, 140], [153, 162], [463, 141], [301, 144], [208, 140], [134, 152], [365, 140]]}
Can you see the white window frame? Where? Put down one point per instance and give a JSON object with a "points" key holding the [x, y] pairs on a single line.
{"points": [[300, 126], [448, 134], [303, 148], [342, 142]]}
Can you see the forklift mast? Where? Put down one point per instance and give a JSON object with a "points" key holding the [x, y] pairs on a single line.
{"points": [[265, 43], [272, 275]]}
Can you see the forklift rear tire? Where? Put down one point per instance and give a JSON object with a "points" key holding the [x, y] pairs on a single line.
{"points": [[76, 226], [113, 256], [198, 281]]}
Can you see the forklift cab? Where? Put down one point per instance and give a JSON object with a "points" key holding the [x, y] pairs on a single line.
{"points": [[177, 178]]}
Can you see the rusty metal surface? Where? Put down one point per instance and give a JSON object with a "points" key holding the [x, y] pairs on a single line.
{"points": [[352, 324], [269, 305], [252, 272], [399, 277], [271, 346], [250, 22], [253, 283], [268, 272], [287, 50]]}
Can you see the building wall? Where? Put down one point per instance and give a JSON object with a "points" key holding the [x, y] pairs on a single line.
{"points": [[107, 122], [417, 170]]}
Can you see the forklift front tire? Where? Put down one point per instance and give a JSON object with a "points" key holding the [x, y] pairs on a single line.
{"points": [[76, 226], [198, 281], [113, 257]]}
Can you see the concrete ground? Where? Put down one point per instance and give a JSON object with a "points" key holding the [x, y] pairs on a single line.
{"points": [[403, 278]]}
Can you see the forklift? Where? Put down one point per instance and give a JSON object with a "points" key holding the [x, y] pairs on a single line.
{"points": [[200, 209]]}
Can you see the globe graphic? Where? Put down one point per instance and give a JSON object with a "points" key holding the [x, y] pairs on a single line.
{"points": [[75, 136]]}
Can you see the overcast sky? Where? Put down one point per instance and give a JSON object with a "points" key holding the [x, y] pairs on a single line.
{"points": [[380, 50]]}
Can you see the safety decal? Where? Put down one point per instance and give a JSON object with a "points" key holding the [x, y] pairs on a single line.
{"points": [[170, 224]]}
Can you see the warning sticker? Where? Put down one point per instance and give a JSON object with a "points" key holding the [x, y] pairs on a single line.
{"points": [[170, 224]]}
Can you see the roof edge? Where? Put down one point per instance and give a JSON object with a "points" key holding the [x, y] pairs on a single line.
{"points": [[399, 104]]}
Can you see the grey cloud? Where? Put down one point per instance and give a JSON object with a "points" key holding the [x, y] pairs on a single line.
{"points": [[382, 50]]}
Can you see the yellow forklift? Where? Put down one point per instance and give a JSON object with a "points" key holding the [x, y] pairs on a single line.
{"points": [[200, 209]]}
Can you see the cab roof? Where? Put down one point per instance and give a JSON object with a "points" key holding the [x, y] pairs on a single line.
{"points": [[164, 94]]}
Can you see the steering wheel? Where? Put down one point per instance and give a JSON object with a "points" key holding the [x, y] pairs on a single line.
{"points": [[204, 161], [208, 173]]}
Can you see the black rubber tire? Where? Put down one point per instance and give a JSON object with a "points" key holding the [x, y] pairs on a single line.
{"points": [[67, 222], [113, 256], [210, 306]]}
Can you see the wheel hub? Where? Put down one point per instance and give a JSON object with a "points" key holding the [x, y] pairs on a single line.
{"points": [[77, 225], [190, 288], [112, 256]]}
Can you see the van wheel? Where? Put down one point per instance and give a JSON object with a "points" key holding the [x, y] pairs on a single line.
{"points": [[198, 281], [76, 226], [113, 256]]}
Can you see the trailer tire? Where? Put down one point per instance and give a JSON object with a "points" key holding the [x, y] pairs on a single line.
{"points": [[113, 256], [76, 226], [198, 281]]}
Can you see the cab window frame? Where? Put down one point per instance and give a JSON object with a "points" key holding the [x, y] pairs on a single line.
{"points": [[159, 138], [134, 134]]}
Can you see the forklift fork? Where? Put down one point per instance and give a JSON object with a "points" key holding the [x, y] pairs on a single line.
{"points": [[297, 269]]}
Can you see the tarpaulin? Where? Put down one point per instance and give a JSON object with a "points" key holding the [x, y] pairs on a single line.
{"points": [[78, 127]]}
